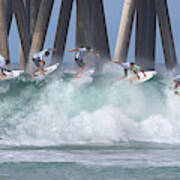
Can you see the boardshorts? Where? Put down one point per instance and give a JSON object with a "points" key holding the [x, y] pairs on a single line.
{"points": [[36, 61], [80, 62]]}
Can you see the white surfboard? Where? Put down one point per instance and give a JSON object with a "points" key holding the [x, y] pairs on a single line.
{"points": [[83, 78], [149, 76], [86, 73], [47, 70], [11, 75]]}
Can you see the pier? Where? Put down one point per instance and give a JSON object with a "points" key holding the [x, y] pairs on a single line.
{"points": [[33, 19]]}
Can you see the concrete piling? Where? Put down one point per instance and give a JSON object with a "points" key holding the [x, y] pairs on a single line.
{"points": [[166, 33], [62, 29], [23, 28], [125, 30], [145, 34], [4, 48], [91, 26], [9, 13], [32, 17]]}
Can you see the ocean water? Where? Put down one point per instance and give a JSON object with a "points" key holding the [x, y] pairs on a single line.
{"points": [[96, 127]]}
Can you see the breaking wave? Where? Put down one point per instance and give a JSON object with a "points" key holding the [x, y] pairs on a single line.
{"points": [[94, 109]]}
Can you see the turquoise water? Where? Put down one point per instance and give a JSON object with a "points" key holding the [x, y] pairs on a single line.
{"points": [[96, 127]]}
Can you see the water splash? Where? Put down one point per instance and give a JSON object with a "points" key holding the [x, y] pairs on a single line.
{"points": [[102, 110]]}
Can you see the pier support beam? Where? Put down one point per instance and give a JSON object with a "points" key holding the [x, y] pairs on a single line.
{"points": [[9, 14], [23, 28], [27, 10], [40, 30], [4, 49], [145, 34], [34, 10], [125, 30], [22, 59], [62, 29], [91, 26], [166, 33]]}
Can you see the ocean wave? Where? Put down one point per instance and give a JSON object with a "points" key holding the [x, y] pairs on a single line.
{"points": [[101, 110]]}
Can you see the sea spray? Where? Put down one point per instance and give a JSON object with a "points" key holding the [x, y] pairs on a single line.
{"points": [[103, 110]]}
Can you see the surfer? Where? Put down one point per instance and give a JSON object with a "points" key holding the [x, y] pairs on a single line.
{"points": [[132, 67], [79, 57], [3, 63], [177, 84], [38, 59]]}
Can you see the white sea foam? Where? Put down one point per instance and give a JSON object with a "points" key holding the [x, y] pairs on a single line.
{"points": [[97, 113]]}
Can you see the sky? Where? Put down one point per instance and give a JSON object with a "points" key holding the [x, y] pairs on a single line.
{"points": [[113, 10]]}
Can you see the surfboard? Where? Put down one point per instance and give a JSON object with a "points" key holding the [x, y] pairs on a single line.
{"points": [[84, 78], [11, 75], [149, 76], [85, 73], [47, 70]]}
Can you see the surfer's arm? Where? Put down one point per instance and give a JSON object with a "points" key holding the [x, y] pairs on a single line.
{"points": [[51, 49], [143, 72], [135, 72], [97, 54], [73, 50], [42, 53]]}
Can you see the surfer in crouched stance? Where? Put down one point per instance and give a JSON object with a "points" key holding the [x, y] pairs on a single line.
{"points": [[132, 67], [3, 63], [39, 61], [79, 57]]}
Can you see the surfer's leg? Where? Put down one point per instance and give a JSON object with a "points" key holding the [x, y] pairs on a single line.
{"points": [[132, 79], [82, 68], [82, 65], [36, 70], [78, 72], [1, 77], [2, 72], [42, 66]]}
